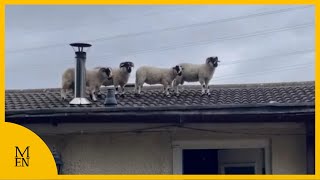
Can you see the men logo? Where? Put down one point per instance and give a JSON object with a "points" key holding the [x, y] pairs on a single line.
{"points": [[22, 159]]}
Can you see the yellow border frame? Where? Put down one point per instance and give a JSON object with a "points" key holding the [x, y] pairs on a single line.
{"points": [[166, 2]]}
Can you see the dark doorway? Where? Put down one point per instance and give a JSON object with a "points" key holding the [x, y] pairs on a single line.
{"points": [[200, 161], [239, 170]]}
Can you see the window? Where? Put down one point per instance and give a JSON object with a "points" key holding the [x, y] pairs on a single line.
{"points": [[239, 168], [222, 157], [200, 161]]}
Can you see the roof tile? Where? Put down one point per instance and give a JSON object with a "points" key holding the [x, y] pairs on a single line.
{"points": [[152, 96]]}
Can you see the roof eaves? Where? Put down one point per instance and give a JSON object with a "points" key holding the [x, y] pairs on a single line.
{"points": [[227, 110]]}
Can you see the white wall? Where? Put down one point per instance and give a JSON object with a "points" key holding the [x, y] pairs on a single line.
{"points": [[115, 154], [289, 155], [151, 153]]}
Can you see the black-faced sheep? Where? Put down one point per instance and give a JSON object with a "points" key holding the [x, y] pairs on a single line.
{"points": [[154, 75], [197, 72], [94, 79], [120, 77]]}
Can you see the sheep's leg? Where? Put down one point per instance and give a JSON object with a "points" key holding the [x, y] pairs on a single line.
{"points": [[122, 90], [203, 89], [166, 88], [135, 89], [117, 90], [176, 83], [98, 93], [72, 91], [139, 89], [175, 86], [167, 93], [207, 87], [203, 86], [63, 94], [88, 91], [176, 90], [93, 95], [179, 82], [65, 88]]}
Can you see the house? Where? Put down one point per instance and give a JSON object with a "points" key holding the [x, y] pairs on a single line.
{"points": [[239, 129]]}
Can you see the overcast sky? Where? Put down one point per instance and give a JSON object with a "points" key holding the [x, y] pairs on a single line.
{"points": [[255, 44]]}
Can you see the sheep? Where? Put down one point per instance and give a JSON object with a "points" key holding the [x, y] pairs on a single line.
{"points": [[94, 79], [120, 77], [197, 72], [154, 75]]}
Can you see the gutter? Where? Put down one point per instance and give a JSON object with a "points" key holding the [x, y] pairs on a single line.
{"points": [[112, 109], [171, 114]]}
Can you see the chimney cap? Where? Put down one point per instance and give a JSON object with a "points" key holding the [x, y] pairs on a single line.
{"points": [[80, 45]]}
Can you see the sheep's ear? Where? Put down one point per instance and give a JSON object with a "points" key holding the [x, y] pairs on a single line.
{"points": [[107, 69], [103, 70], [208, 60], [131, 64], [176, 68], [121, 65]]}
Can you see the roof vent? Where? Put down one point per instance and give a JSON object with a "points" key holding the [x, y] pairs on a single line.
{"points": [[80, 74], [110, 98]]}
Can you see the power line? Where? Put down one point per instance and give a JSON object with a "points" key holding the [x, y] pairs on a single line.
{"points": [[166, 29], [284, 68], [160, 129], [207, 42], [202, 23], [279, 69], [270, 56], [221, 39], [275, 56], [266, 71], [147, 14]]}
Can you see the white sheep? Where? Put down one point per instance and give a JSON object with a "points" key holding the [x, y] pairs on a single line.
{"points": [[197, 72], [120, 77], [94, 79], [154, 75]]}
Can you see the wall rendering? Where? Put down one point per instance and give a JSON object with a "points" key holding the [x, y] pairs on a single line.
{"points": [[152, 152]]}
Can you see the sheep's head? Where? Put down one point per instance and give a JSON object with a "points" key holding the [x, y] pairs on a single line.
{"points": [[213, 61], [127, 65], [178, 69], [106, 72]]}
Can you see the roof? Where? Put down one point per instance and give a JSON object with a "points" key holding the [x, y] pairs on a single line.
{"points": [[293, 97]]}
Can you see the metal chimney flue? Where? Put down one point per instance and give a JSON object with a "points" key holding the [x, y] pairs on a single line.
{"points": [[80, 74]]}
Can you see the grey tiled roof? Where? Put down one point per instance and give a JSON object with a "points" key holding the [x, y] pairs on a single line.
{"points": [[245, 94]]}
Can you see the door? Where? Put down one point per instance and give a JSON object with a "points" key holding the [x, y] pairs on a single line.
{"points": [[200, 161]]}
